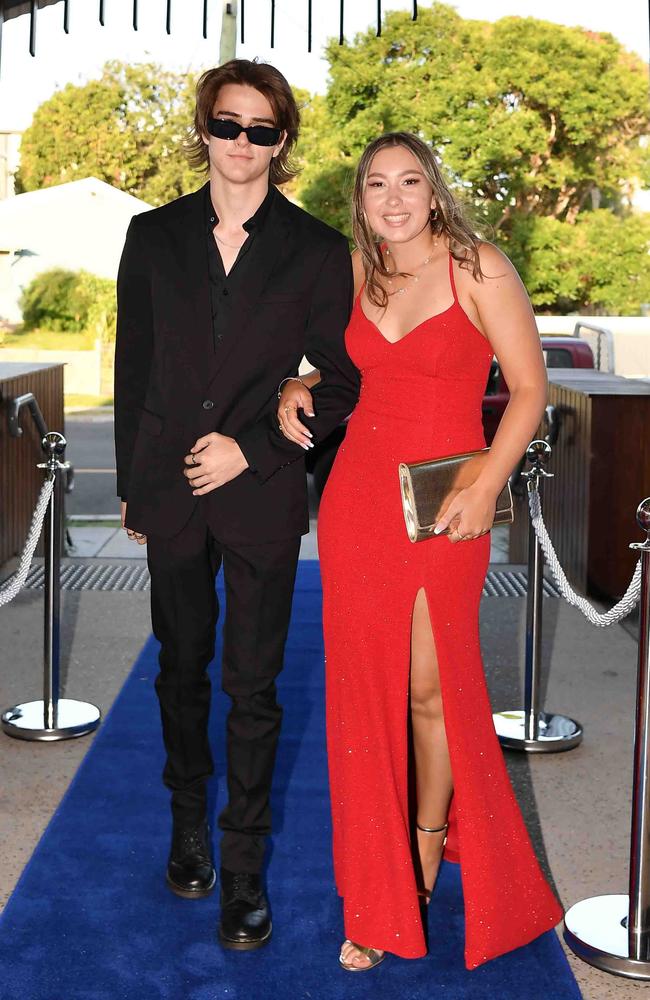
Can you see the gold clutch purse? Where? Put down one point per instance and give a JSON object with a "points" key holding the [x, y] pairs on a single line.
{"points": [[428, 488]]}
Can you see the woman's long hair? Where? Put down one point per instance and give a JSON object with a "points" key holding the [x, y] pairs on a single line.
{"points": [[447, 220]]}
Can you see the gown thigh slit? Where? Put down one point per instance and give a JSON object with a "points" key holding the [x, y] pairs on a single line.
{"points": [[427, 734], [420, 399]]}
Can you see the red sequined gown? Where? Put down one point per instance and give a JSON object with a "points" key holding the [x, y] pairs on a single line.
{"points": [[420, 398]]}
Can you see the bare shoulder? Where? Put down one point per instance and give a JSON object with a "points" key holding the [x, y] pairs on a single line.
{"points": [[357, 271], [498, 275], [494, 263]]}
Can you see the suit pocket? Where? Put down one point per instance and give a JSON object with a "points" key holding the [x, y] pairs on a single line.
{"points": [[279, 300], [151, 423]]}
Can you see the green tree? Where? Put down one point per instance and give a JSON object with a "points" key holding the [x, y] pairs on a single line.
{"points": [[126, 128], [324, 185], [527, 116], [530, 121], [597, 266]]}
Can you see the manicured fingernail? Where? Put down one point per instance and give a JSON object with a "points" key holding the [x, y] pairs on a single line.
{"points": [[310, 414], [438, 529], [305, 446], [309, 434]]}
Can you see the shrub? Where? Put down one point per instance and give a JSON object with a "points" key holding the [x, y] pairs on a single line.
{"points": [[63, 300]]}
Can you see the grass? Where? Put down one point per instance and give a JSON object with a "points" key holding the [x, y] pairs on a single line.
{"points": [[78, 401], [49, 340], [65, 340]]}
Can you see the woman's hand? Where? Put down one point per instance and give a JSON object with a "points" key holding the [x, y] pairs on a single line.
{"points": [[469, 515], [295, 396]]}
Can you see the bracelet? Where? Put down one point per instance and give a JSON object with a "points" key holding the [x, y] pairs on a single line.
{"points": [[291, 378]]}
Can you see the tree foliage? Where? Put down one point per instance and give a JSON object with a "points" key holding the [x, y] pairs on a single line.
{"points": [[537, 125], [528, 116], [541, 128], [597, 266], [61, 300], [126, 128]]}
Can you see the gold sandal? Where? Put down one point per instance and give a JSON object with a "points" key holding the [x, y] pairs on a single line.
{"points": [[372, 954], [426, 893]]}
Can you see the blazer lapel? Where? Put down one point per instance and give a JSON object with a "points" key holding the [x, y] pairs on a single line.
{"points": [[274, 239], [192, 252]]}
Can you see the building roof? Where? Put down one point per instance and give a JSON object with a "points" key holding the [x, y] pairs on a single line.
{"points": [[79, 224]]}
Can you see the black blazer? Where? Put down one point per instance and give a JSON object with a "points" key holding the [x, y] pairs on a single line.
{"points": [[171, 387]]}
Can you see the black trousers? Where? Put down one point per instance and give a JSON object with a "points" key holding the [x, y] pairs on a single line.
{"points": [[259, 583]]}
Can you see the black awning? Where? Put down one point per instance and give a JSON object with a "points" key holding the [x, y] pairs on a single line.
{"points": [[15, 8]]}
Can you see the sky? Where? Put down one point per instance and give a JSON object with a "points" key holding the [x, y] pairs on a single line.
{"points": [[25, 81]]}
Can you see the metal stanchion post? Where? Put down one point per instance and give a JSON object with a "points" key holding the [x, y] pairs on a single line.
{"points": [[613, 932], [530, 729], [53, 718]]}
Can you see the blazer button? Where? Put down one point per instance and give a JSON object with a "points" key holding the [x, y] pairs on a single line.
{"points": [[207, 404]]}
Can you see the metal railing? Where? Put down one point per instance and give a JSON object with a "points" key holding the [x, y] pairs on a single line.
{"points": [[52, 718], [603, 348]]}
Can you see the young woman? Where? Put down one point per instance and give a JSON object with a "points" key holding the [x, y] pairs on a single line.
{"points": [[404, 672]]}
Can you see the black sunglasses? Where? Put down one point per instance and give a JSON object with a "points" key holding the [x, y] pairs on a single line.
{"points": [[258, 135]]}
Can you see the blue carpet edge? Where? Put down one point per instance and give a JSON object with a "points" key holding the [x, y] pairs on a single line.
{"points": [[150, 641]]}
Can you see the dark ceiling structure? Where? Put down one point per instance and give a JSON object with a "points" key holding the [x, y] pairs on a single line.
{"points": [[14, 8]]}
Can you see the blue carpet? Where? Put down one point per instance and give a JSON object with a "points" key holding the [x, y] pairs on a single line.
{"points": [[92, 919]]}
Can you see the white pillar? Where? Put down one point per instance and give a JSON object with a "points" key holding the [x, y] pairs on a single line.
{"points": [[228, 44]]}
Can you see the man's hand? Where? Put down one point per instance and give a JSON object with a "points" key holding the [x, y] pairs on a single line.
{"points": [[140, 539], [213, 461]]}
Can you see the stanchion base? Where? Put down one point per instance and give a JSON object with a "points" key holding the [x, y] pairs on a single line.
{"points": [[555, 733], [72, 718], [596, 930]]}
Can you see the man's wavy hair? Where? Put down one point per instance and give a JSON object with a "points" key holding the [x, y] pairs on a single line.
{"points": [[268, 81]]}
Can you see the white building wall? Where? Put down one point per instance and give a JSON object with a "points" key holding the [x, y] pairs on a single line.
{"points": [[80, 225]]}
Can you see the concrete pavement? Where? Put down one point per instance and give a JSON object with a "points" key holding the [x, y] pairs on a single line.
{"points": [[576, 804]]}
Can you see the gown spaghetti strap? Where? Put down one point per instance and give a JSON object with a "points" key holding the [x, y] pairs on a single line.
{"points": [[420, 399]]}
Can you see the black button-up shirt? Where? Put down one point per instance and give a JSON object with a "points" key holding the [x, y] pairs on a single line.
{"points": [[225, 287]]}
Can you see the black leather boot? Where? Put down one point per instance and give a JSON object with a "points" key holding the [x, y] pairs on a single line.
{"points": [[245, 921], [190, 872]]}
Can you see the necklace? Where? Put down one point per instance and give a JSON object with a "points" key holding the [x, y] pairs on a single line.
{"points": [[232, 246], [413, 278]]}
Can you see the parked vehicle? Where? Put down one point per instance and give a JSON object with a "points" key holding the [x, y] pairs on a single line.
{"points": [[559, 352]]}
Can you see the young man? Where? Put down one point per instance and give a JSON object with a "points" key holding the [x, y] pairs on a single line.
{"points": [[220, 294]]}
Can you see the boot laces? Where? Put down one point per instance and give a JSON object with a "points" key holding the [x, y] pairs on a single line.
{"points": [[243, 887], [192, 842]]}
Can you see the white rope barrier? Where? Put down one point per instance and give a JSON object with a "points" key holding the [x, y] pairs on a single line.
{"points": [[15, 583], [626, 604]]}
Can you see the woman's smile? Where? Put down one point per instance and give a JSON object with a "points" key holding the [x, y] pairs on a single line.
{"points": [[397, 220]]}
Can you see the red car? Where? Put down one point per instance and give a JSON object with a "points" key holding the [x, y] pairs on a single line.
{"points": [[559, 352]]}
